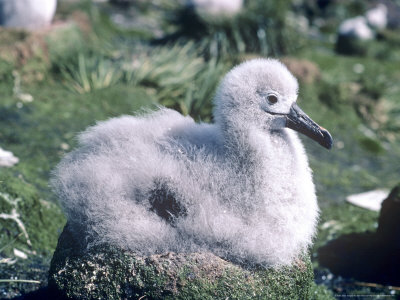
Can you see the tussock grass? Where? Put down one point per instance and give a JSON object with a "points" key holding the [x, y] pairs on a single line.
{"points": [[90, 73], [263, 27], [179, 77]]}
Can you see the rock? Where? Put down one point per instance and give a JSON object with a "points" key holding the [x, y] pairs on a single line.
{"points": [[371, 200], [377, 17], [370, 257], [389, 222], [7, 158], [110, 273], [27, 14]]}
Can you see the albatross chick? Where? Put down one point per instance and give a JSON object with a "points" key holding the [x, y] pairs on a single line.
{"points": [[240, 187]]}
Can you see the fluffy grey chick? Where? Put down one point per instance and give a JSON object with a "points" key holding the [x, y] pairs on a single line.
{"points": [[240, 188]]}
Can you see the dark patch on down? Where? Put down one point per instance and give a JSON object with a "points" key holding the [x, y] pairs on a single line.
{"points": [[164, 202]]}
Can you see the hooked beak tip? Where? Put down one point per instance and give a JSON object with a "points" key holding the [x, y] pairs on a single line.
{"points": [[327, 142], [299, 121]]}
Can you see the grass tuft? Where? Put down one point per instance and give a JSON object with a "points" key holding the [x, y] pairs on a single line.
{"points": [[90, 73]]}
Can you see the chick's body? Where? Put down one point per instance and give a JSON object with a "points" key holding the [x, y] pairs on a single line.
{"points": [[160, 182]]}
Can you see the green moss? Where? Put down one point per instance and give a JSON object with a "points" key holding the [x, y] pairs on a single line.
{"points": [[352, 107], [107, 272], [339, 219], [41, 132], [320, 292], [65, 41], [36, 222], [237, 283], [372, 145]]}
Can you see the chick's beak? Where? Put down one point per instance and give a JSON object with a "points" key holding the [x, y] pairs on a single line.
{"points": [[299, 121]]}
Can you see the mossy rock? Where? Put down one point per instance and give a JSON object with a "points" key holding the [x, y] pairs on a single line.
{"points": [[109, 273]]}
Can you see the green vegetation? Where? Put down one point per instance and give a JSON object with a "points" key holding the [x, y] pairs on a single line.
{"points": [[93, 70], [261, 27], [22, 213], [29, 229]]}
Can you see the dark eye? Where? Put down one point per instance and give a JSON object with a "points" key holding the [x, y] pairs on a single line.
{"points": [[272, 99]]}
